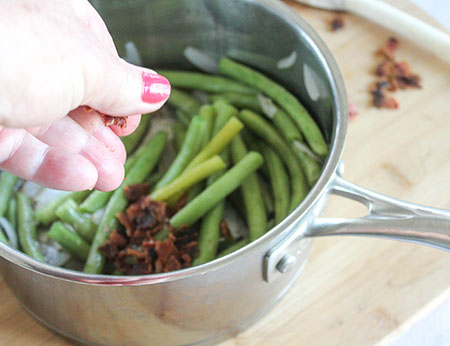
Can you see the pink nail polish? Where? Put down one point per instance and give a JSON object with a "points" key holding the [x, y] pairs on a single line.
{"points": [[155, 88]]}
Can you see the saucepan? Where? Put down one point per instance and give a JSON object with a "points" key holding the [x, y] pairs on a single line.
{"points": [[214, 301]]}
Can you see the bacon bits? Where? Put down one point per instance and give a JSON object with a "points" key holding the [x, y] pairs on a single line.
{"points": [[336, 22], [118, 121], [149, 244], [107, 119], [392, 75], [352, 111]]}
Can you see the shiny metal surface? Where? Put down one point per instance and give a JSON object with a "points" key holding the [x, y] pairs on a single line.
{"points": [[216, 300], [386, 218]]}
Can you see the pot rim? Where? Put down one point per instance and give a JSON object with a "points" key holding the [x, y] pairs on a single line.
{"points": [[340, 118]]}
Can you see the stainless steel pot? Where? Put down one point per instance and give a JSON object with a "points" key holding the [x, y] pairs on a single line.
{"points": [[214, 301]]}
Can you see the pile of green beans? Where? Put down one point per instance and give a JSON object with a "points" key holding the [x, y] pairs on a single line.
{"points": [[253, 148]]}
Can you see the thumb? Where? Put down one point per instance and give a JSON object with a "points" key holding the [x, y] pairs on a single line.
{"points": [[117, 88]]}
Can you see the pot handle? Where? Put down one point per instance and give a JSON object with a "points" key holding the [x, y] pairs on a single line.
{"points": [[387, 218]]}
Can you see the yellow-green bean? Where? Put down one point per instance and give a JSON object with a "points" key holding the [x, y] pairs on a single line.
{"points": [[217, 191]]}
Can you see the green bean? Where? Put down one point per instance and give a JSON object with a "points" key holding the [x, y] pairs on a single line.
{"points": [[283, 97], [218, 142], [47, 213], [186, 153], [98, 199], [189, 178], [69, 213], [7, 182], [217, 191], [279, 181], [27, 228], [236, 246], [266, 196], [132, 141], [154, 178], [69, 240], [263, 129], [11, 213], [3, 238], [208, 113], [201, 81], [162, 234], [238, 100], [221, 139], [209, 232], [251, 194], [225, 112], [281, 120], [183, 117], [253, 144], [179, 132], [184, 102], [145, 163], [209, 235], [310, 166], [95, 201], [238, 203], [194, 191]]}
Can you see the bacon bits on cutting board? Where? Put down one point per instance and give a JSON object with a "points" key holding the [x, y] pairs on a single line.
{"points": [[391, 76]]}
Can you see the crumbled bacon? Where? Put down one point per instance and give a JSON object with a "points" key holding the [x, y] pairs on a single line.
{"points": [[380, 99], [135, 192], [136, 251], [336, 22], [392, 75], [389, 49], [109, 120], [118, 121]]}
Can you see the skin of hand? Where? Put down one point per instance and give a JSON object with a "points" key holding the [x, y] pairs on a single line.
{"points": [[58, 61]]}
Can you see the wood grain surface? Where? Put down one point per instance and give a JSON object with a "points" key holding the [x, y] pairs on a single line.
{"points": [[354, 291]]}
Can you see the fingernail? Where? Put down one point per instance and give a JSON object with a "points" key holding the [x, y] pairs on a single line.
{"points": [[155, 88]]}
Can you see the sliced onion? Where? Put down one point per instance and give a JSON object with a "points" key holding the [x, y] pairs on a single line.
{"points": [[201, 60], [46, 196], [31, 189], [54, 254], [287, 61], [10, 232], [267, 106], [302, 147], [234, 222], [97, 216], [132, 53]]}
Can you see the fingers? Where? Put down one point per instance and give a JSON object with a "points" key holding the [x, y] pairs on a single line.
{"points": [[132, 123], [96, 25], [117, 88], [25, 156], [93, 124], [67, 135]]}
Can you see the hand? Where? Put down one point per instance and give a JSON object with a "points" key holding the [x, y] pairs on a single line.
{"points": [[57, 57]]}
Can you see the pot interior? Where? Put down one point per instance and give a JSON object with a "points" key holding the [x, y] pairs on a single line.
{"points": [[247, 31]]}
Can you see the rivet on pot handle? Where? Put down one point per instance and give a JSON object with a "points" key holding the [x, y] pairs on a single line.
{"points": [[387, 218]]}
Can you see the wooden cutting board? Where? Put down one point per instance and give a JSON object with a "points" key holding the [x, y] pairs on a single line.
{"points": [[354, 291]]}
